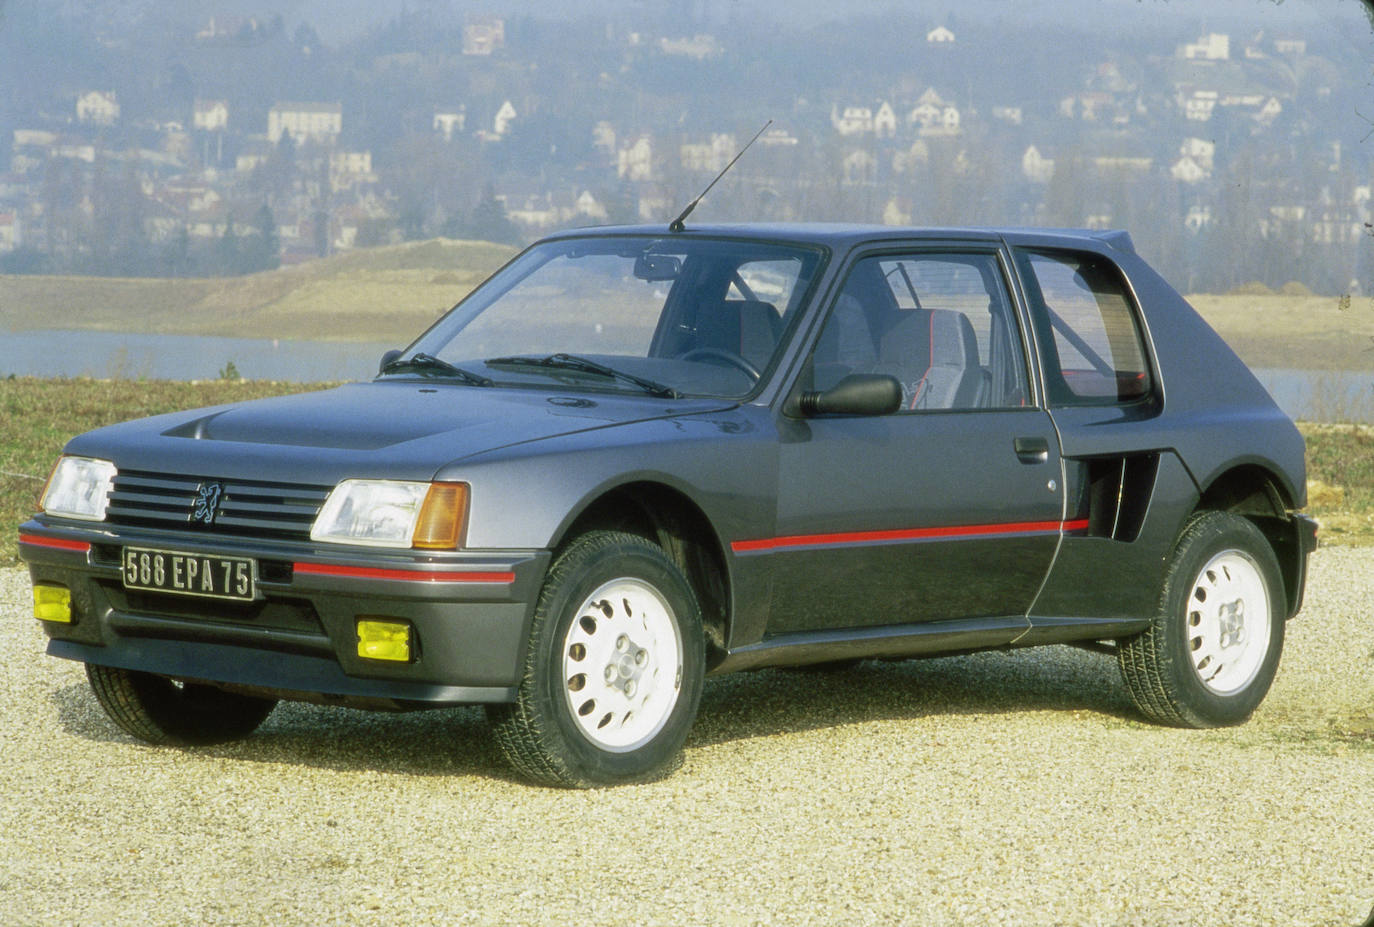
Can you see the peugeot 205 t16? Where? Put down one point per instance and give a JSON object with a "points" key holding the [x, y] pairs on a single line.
{"points": [[636, 457]]}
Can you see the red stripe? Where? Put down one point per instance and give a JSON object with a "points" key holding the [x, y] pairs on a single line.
{"points": [[904, 534], [55, 543], [423, 576]]}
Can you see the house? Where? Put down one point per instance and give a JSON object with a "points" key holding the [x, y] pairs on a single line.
{"points": [[1211, 47], [447, 122], [1198, 218], [1187, 170], [9, 231], [320, 122], [483, 35], [1008, 114], [940, 36], [97, 107], [708, 156], [349, 168], [1290, 46], [1200, 150], [1035, 167], [933, 115], [603, 137], [505, 115], [1198, 106], [698, 47], [860, 168], [885, 121], [210, 115], [853, 120], [635, 161]]}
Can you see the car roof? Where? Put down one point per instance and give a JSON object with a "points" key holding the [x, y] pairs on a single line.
{"points": [[849, 235]]}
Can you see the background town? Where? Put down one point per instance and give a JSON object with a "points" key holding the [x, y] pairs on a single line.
{"points": [[195, 141]]}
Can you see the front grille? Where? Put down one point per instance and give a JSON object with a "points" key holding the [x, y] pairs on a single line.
{"points": [[250, 508]]}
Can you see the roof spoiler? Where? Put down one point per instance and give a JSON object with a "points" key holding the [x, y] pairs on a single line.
{"points": [[1118, 239]]}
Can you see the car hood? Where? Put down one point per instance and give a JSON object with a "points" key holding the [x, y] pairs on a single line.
{"points": [[398, 430]]}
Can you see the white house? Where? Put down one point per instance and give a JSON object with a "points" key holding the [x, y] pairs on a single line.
{"points": [[210, 115], [1036, 167], [885, 121], [853, 120], [1199, 106], [483, 35], [447, 122], [500, 123], [635, 161], [321, 122], [940, 36], [1211, 47], [1186, 170], [99, 107]]}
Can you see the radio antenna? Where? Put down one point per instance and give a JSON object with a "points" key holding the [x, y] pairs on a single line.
{"points": [[677, 224]]}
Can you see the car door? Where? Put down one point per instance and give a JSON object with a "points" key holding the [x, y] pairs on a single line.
{"points": [[950, 508]]}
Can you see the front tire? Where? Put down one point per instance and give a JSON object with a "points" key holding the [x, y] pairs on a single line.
{"points": [[1212, 649], [161, 711], [614, 669]]}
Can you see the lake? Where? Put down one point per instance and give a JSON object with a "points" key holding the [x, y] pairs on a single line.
{"points": [[1317, 395]]}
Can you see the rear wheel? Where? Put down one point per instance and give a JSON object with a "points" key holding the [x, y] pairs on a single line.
{"points": [[614, 668], [1212, 649], [169, 713]]}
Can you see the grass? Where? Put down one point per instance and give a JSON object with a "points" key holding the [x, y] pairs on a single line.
{"points": [[37, 416], [380, 294], [389, 294]]}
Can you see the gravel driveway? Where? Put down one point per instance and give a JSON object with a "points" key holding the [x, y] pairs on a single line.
{"points": [[991, 789]]}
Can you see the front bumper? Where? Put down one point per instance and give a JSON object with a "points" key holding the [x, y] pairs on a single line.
{"points": [[469, 612]]}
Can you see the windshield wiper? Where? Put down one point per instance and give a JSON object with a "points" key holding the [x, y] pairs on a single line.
{"points": [[428, 363], [563, 361]]}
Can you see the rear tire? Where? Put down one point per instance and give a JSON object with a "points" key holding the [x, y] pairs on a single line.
{"points": [[1212, 648], [614, 669], [161, 711]]}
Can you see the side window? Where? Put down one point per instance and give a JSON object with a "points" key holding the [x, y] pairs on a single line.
{"points": [[940, 322], [1088, 331]]}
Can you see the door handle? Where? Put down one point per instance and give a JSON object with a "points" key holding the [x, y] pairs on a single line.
{"points": [[1032, 450]]}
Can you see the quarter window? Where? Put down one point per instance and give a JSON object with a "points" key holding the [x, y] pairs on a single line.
{"points": [[1091, 341]]}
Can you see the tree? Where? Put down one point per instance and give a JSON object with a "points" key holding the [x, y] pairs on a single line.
{"points": [[263, 250]]}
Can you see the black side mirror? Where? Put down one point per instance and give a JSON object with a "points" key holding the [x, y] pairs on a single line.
{"points": [[856, 394], [387, 358]]}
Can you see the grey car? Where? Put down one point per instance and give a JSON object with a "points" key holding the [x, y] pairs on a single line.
{"points": [[635, 457]]}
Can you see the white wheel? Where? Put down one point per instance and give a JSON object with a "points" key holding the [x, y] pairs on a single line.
{"points": [[1228, 622], [622, 665], [1212, 648], [614, 670]]}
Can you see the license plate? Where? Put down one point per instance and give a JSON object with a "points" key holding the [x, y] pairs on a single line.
{"points": [[190, 574]]}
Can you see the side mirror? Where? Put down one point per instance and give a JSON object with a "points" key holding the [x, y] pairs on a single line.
{"points": [[388, 357], [856, 394]]}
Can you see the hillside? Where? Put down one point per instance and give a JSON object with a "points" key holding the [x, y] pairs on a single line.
{"points": [[378, 294], [388, 294]]}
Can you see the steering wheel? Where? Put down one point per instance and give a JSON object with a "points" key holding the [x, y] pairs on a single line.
{"points": [[730, 357]]}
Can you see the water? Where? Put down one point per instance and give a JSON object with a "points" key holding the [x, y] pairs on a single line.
{"points": [[183, 357], [1313, 395]]}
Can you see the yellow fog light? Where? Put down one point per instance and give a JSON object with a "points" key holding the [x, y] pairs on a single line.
{"points": [[52, 603], [384, 640]]}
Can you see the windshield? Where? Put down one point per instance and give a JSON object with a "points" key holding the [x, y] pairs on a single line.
{"points": [[666, 316]]}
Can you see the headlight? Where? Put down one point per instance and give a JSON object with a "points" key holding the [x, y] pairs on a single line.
{"points": [[79, 488], [392, 513]]}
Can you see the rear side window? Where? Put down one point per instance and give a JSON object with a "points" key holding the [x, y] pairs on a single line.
{"points": [[1091, 340]]}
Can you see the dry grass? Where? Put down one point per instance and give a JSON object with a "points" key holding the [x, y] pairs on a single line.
{"points": [[381, 294], [1299, 332]]}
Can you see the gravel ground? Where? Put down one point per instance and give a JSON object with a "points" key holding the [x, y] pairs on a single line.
{"points": [[993, 789]]}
